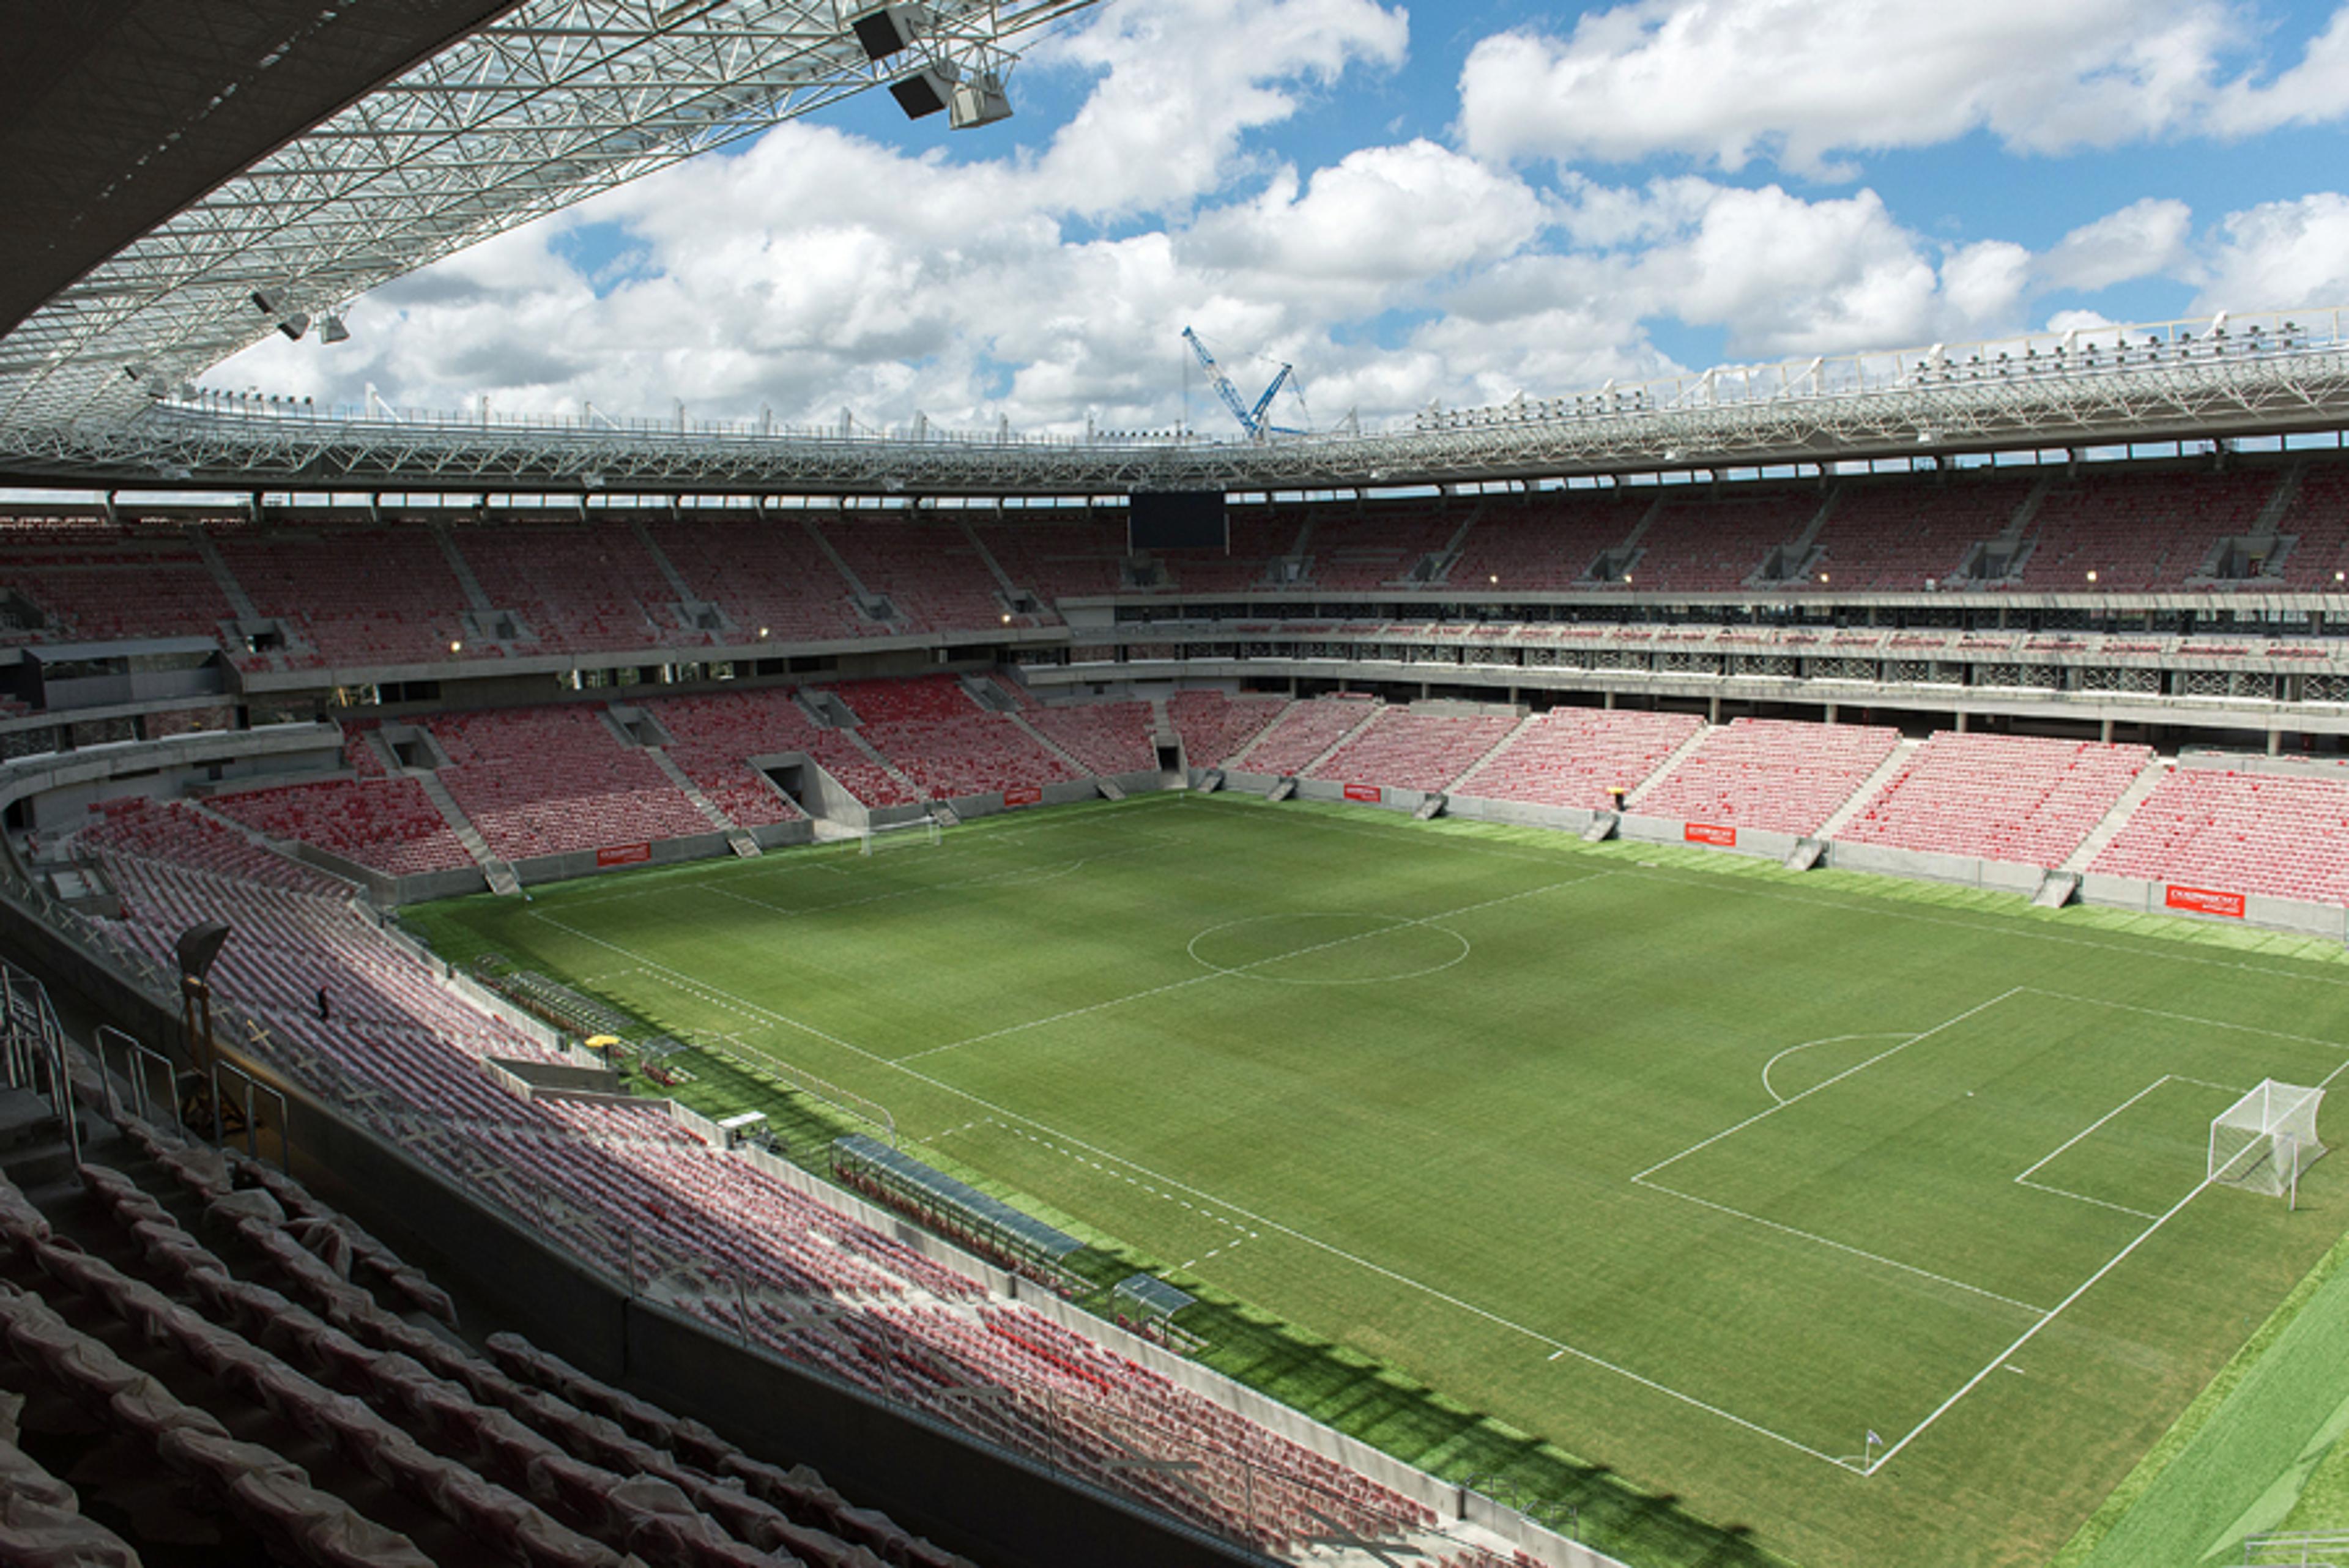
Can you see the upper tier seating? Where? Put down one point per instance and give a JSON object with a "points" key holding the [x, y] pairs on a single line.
{"points": [[1888, 535], [1378, 547], [1303, 733], [1575, 756], [1773, 774], [357, 596], [384, 822], [2318, 519], [1107, 738], [711, 735], [1407, 750], [1997, 797], [102, 582], [2138, 532], [929, 571], [2279, 834], [551, 780], [1059, 559], [580, 587], [763, 570], [1547, 541], [1259, 534], [1215, 727], [1702, 542], [946, 743]]}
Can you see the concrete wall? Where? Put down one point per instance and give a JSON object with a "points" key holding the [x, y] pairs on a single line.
{"points": [[1518, 813], [582, 862], [1757, 841], [2002, 876]]}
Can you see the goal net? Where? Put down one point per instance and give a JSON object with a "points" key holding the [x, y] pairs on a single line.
{"points": [[920, 833], [2265, 1139]]}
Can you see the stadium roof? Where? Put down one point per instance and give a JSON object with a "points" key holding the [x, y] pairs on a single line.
{"points": [[177, 210], [185, 158]]}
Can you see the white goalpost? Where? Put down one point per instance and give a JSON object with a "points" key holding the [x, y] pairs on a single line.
{"points": [[922, 833], [2265, 1139]]}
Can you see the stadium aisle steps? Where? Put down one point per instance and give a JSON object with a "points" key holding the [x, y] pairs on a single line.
{"points": [[2118, 818], [1665, 768], [1870, 788], [1463, 784]]}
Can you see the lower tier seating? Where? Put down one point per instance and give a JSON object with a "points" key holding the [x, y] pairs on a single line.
{"points": [[1999, 798], [1408, 751], [1773, 774], [2279, 834], [1577, 757]]}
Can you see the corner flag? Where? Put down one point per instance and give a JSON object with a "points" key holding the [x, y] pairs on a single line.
{"points": [[1872, 1437]]}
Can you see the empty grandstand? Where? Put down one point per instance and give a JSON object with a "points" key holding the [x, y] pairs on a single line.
{"points": [[1632, 892]]}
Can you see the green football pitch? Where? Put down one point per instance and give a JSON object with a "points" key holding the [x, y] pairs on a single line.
{"points": [[1751, 1214]]}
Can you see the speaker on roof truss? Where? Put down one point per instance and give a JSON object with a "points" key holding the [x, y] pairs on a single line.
{"points": [[980, 101], [886, 29], [924, 92]]}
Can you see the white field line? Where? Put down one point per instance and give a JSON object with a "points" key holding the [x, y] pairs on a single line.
{"points": [[1840, 1246], [1807, 1045], [1404, 923], [2025, 1179], [1006, 1114], [2189, 1019], [1830, 1083], [2025, 1337]]}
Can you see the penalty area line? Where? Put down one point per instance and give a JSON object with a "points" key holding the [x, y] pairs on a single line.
{"points": [[2029, 1334]]}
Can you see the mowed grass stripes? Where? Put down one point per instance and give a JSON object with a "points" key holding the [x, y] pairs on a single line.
{"points": [[1699, 1171]]}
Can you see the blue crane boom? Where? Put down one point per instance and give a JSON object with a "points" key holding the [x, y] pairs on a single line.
{"points": [[1251, 419]]}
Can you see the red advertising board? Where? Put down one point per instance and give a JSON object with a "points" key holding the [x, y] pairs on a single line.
{"points": [[624, 854], [1714, 833], [2204, 900], [1364, 792], [1024, 795]]}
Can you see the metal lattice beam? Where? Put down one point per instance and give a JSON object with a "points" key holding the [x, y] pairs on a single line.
{"points": [[2189, 381], [558, 100]]}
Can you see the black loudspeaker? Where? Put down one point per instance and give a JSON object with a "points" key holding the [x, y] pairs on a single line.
{"points": [[886, 29], [199, 945], [924, 92]]}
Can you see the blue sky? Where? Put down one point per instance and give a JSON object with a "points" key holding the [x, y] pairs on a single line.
{"points": [[1416, 203]]}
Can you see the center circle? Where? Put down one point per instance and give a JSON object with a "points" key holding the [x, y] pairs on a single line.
{"points": [[1327, 948]]}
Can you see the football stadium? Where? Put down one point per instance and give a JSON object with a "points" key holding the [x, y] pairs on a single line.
{"points": [[594, 990]]}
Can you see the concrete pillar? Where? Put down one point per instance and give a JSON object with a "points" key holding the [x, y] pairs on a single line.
{"points": [[1609, 699], [2275, 743], [1714, 715], [2104, 732], [1423, 689], [1961, 721], [1832, 710]]}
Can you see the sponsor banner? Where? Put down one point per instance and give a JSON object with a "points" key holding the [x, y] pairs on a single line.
{"points": [[1720, 835], [2205, 901], [1024, 795], [1364, 792], [624, 854]]}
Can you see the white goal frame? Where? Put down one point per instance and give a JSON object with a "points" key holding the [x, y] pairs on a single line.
{"points": [[2265, 1141], [922, 833]]}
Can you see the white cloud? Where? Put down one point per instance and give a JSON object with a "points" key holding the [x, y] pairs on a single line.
{"points": [[2145, 239], [1805, 81], [2312, 92], [2279, 255]]}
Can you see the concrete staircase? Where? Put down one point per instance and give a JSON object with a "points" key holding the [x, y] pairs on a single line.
{"points": [[2109, 829], [1460, 785], [1870, 787], [874, 752], [737, 838], [2058, 888], [1331, 749], [987, 559], [1664, 769], [1432, 807], [1602, 827], [677, 582], [230, 589], [1050, 748], [475, 597], [875, 607], [502, 878]]}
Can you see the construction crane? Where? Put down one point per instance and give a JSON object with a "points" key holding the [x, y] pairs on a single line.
{"points": [[1251, 419]]}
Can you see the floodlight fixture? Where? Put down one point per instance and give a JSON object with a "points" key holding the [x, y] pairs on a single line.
{"points": [[295, 325], [198, 946], [332, 330], [268, 302]]}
